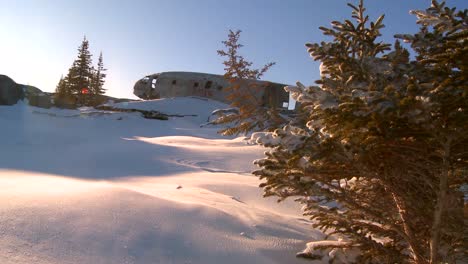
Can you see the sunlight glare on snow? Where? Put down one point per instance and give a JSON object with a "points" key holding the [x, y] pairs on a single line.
{"points": [[25, 182]]}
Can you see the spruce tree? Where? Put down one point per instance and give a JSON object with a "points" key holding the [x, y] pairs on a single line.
{"points": [[381, 156], [63, 96], [97, 87], [244, 93], [61, 89], [81, 72], [83, 82], [442, 63]]}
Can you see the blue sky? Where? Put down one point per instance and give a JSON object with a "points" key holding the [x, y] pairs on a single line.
{"points": [[40, 37]]}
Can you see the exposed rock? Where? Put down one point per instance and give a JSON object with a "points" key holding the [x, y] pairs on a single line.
{"points": [[42, 101], [36, 97], [146, 114], [10, 91], [31, 90]]}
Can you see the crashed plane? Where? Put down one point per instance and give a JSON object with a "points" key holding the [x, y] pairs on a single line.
{"points": [[177, 84]]}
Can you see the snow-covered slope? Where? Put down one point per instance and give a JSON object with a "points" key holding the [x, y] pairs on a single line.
{"points": [[87, 186]]}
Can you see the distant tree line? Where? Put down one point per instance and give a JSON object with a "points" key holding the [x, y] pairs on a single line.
{"points": [[84, 83]]}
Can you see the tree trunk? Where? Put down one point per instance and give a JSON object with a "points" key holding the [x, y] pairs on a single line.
{"points": [[439, 208], [407, 229]]}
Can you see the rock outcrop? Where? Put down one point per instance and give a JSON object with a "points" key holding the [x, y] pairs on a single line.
{"points": [[36, 97], [42, 101], [10, 91]]}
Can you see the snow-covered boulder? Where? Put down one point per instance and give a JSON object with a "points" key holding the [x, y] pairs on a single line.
{"points": [[329, 251], [10, 91]]}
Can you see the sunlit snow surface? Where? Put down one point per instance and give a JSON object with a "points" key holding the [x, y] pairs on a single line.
{"points": [[87, 186]]}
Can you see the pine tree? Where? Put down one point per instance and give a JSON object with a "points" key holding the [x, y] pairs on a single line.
{"points": [[97, 87], [63, 96], [244, 93], [381, 156], [61, 89], [81, 72], [442, 60], [83, 82]]}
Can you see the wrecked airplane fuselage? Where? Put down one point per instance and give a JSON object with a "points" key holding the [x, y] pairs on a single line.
{"points": [[177, 84]]}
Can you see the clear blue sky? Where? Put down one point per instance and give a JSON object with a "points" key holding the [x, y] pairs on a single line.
{"points": [[39, 38]]}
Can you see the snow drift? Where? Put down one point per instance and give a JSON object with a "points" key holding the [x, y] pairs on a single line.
{"points": [[88, 186]]}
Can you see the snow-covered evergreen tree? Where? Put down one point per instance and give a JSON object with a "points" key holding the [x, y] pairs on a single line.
{"points": [[381, 156], [442, 67]]}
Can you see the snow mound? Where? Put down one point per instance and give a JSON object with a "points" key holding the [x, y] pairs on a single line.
{"points": [[330, 251], [200, 107]]}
